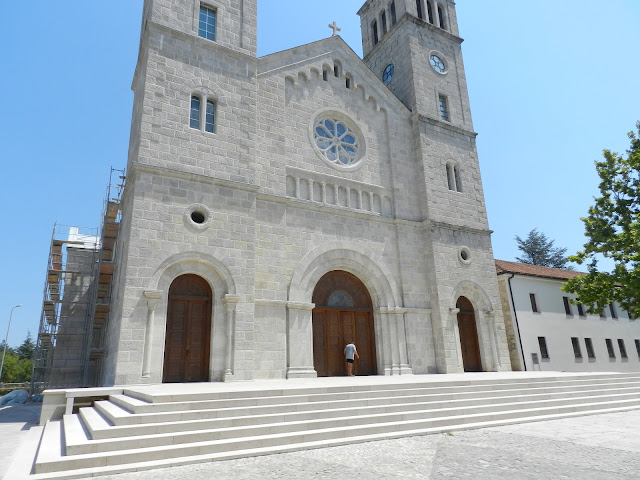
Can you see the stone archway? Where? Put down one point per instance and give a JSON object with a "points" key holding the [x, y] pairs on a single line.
{"points": [[468, 331], [343, 313], [188, 330]]}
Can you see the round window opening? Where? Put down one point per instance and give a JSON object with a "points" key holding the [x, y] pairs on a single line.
{"points": [[388, 74], [198, 217], [465, 255], [336, 141]]}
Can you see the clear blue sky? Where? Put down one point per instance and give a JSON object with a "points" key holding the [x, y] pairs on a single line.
{"points": [[551, 85]]}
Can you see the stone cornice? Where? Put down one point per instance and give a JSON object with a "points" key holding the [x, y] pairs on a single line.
{"points": [[445, 125], [197, 177]]}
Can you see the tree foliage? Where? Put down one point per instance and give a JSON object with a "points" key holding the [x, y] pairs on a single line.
{"points": [[27, 348], [539, 250], [613, 231], [16, 370]]}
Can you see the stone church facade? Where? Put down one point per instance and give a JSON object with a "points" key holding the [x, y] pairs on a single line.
{"points": [[277, 207]]}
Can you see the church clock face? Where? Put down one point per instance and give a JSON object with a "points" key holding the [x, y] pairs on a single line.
{"points": [[437, 63], [388, 73]]}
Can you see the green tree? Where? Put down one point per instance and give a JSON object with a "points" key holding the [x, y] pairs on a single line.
{"points": [[613, 230], [539, 250], [27, 348], [16, 370]]}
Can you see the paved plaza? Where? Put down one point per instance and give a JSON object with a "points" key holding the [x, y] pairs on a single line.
{"points": [[587, 447]]}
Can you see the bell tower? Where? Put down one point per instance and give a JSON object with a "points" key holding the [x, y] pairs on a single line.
{"points": [[415, 49]]}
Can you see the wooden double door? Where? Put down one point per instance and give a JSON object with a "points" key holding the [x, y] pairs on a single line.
{"points": [[343, 314], [471, 360], [187, 340]]}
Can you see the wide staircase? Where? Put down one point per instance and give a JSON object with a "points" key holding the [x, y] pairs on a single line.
{"points": [[148, 428]]}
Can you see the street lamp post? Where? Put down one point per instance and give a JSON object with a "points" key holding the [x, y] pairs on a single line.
{"points": [[5, 341]]}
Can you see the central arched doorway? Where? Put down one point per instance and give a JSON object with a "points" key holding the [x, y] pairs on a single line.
{"points": [[467, 328], [187, 341], [343, 311]]}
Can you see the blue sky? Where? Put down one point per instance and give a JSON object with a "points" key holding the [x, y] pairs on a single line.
{"points": [[551, 85]]}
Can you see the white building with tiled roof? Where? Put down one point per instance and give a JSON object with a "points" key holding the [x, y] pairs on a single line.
{"points": [[546, 332]]}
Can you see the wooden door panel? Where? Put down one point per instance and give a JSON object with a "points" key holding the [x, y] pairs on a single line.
{"points": [[187, 343], [319, 344], [471, 360]]}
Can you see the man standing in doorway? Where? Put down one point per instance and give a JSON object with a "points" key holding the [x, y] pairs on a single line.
{"points": [[350, 353]]}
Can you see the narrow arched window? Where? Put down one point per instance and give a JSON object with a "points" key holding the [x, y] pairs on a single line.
{"points": [[441, 16], [374, 30], [210, 117], [325, 74], [394, 17], [194, 120], [383, 21], [419, 8], [430, 12], [336, 70], [450, 181], [456, 175]]}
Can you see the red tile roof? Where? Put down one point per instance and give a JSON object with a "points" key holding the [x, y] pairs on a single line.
{"points": [[535, 271]]}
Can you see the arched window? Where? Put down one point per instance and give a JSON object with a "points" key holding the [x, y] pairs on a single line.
{"points": [[419, 8], [430, 12], [454, 181], [210, 117], [383, 21], [443, 25], [199, 118], [456, 175], [325, 74], [394, 17], [194, 120], [374, 29], [336, 69]]}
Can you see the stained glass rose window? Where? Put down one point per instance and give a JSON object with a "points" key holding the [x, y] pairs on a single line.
{"points": [[336, 141]]}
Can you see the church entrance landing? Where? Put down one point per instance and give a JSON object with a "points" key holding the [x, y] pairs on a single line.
{"points": [[186, 350], [343, 313]]}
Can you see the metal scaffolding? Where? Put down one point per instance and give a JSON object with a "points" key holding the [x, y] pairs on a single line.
{"points": [[76, 301]]}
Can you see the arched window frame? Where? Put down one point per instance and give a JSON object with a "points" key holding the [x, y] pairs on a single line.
{"points": [[392, 10], [203, 119], [374, 31], [442, 20], [430, 12], [454, 181], [419, 9], [383, 22]]}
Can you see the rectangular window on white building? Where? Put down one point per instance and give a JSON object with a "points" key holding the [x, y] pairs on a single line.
{"points": [[542, 343], [612, 353], [623, 349], [567, 306], [590, 351], [580, 310], [576, 347], [534, 305]]}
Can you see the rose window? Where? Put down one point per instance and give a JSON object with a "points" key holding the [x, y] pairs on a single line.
{"points": [[336, 141]]}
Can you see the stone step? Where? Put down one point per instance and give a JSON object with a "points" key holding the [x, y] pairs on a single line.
{"points": [[350, 433], [118, 416], [249, 427], [368, 389], [136, 405]]}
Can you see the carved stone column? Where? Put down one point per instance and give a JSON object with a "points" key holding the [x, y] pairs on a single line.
{"points": [[453, 318], [491, 323], [152, 300], [300, 340], [230, 302]]}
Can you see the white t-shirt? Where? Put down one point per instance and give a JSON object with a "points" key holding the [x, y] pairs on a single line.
{"points": [[349, 351]]}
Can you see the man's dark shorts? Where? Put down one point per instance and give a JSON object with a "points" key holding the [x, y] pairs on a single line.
{"points": [[349, 360]]}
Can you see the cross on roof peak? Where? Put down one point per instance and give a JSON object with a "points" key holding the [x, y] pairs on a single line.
{"points": [[335, 28]]}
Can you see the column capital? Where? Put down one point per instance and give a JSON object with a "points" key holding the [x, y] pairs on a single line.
{"points": [[392, 310], [300, 306], [229, 299], [152, 298], [454, 311]]}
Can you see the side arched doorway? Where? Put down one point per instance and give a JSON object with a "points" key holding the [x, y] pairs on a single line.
{"points": [[343, 311], [471, 360], [187, 340]]}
